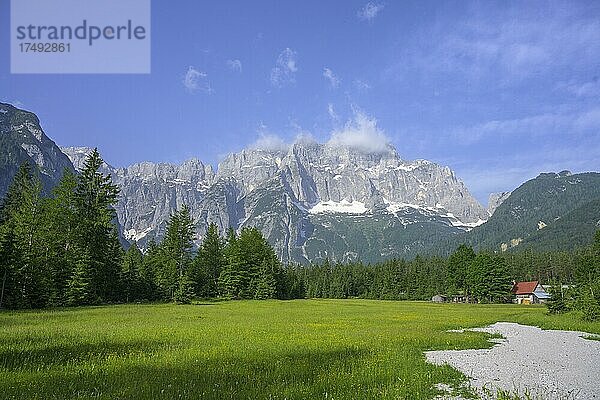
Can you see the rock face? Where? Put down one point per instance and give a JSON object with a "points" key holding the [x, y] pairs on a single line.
{"points": [[22, 139], [495, 200], [324, 173], [313, 201], [151, 192]]}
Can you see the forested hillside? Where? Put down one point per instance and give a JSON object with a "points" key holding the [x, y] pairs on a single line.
{"points": [[568, 232], [551, 212]]}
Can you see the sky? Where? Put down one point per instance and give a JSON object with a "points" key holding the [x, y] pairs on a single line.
{"points": [[498, 91]]}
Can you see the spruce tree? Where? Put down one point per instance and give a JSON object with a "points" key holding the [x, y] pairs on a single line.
{"points": [[97, 236], [10, 257], [458, 265], [208, 263], [184, 291], [589, 305], [265, 284], [498, 280], [25, 277], [131, 280], [149, 272], [176, 251], [252, 269], [556, 303], [80, 289], [62, 234], [233, 278], [6, 261]]}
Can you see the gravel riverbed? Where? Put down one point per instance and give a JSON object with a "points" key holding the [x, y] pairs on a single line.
{"points": [[547, 364]]}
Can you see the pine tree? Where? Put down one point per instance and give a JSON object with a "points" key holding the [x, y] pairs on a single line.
{"points": [[556, 303], [80, 285], [176, 251], [131, 279], [97, 237], [61, 236], [458, 265], [208, 263], [25, 278], [233, 277], [149, 272]]}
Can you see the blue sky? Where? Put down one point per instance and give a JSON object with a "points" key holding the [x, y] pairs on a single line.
{"points": [[499, 91]]}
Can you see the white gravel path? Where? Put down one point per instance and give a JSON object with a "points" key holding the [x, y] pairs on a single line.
{"points": [[549, 364]]}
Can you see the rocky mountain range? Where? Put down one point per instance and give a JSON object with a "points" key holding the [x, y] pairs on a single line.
{"points": [[314, 201], [307, 199]]}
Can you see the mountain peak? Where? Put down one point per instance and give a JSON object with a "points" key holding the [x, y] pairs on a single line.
{"points": [[23, 140]]}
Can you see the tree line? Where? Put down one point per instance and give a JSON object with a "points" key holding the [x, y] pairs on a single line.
{"points": [[63, 249]]}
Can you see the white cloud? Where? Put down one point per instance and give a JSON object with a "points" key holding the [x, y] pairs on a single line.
{"points": [[361, 134], [506, 173], [235, 65], [284, 72], [305, 137], [270, 142], [549, 124], [567, 140], [195, 80], [334, 81], [505, 45], [581, 89], [361, 85], [370, 11], [332, 114]]}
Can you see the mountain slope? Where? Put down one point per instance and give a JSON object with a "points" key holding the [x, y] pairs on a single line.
{"points": [[540, 213], [576, 228], [22, 139]]}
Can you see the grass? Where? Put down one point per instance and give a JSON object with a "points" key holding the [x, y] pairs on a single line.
{"points": [[303, 349]]}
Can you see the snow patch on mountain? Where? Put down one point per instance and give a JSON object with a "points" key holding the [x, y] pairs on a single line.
{"points": [[342, 207], [133, 235]]}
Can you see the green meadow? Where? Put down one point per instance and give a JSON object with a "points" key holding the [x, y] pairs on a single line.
{"points": [[301, 349]]}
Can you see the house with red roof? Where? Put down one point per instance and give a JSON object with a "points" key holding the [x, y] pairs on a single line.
{"points": [[529, 293]]}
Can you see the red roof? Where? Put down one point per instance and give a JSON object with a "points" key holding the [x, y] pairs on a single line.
{"points": [[524, 287]]}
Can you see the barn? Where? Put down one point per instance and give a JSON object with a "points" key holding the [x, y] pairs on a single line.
{"points": [[531, 292]]}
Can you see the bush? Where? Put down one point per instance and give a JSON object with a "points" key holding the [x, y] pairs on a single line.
{"points": [[589, 306], [557, 303]]}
